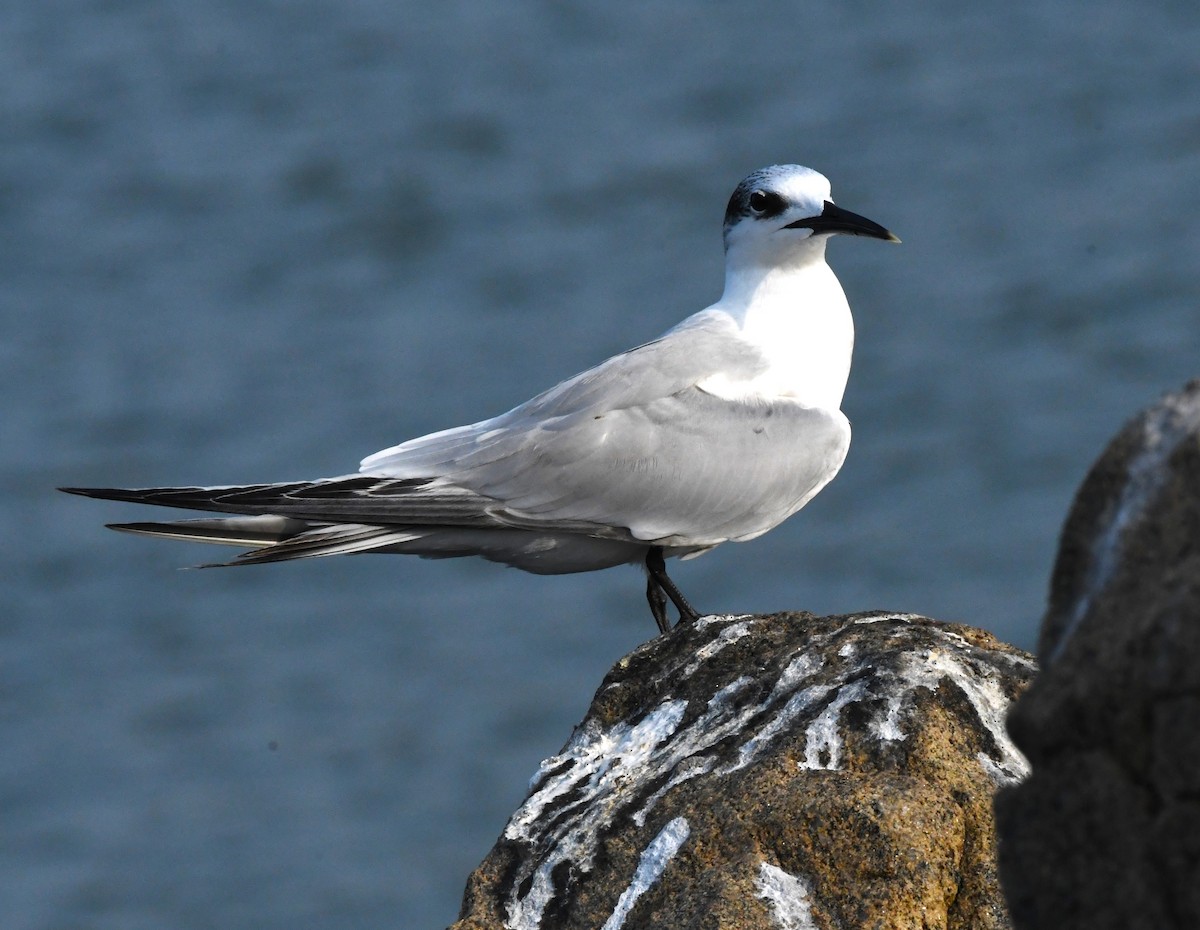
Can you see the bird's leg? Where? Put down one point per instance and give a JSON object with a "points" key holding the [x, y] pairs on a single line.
{"points": [[658, 577], [658, 604]]}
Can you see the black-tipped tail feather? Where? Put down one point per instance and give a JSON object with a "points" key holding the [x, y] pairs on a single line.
{"points": [[360, 497], [299, 520], [247, 532], [273, 539], [352, 499]]}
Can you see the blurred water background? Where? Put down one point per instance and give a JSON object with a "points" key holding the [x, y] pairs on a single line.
{"points": [[254, 242]]}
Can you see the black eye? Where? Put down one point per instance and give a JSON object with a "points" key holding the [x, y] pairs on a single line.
{"points": [[764, 202]]}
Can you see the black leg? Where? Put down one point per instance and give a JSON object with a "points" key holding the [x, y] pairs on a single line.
{"points": [[658, 604], [658, 576]]}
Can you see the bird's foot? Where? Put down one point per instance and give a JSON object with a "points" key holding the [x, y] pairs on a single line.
{"points": [[659, 587]]}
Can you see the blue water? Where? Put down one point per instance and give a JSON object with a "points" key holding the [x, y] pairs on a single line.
{"points": [[248, 242]]}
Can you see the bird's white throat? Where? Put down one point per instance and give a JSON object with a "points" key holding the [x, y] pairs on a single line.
{"points": [[796, 314]]}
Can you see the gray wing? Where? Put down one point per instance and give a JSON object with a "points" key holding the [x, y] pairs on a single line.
{"points": [[686, 470], [634, 447], [680, 358]]}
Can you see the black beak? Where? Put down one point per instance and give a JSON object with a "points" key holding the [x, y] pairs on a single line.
{"points": [[834, 219]]}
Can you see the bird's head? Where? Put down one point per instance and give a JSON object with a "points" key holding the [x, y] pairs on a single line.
{"points": [[785, 211]]}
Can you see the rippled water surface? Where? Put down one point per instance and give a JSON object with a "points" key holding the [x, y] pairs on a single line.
{"points": [[247, 242]]}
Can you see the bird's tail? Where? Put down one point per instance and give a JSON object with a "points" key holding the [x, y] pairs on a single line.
{"points": [[269, 537], [427, 517]]}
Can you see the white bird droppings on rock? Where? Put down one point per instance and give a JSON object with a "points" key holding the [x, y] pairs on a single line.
{"points": [[595, 765], [731, 634], [709, 619], [823, 748], [788, 896], [986, 697], [662, 849]]}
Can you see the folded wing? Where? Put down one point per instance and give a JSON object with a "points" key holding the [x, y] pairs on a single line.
{"points": [[626, 454]]}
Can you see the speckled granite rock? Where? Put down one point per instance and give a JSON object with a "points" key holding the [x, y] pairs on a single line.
{"points": [[1106, 833], [784, 771]]}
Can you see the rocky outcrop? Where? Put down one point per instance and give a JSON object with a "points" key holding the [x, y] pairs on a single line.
{"points": [[1106, 832], [782, 771]]}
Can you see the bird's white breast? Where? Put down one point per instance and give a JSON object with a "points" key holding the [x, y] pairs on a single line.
{"points": [[800, 322]]}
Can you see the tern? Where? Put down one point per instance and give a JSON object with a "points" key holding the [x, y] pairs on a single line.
{"points": [[715, 432]]}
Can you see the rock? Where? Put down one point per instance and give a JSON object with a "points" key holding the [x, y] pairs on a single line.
{"points": [[782, 771], [1106, 832]]}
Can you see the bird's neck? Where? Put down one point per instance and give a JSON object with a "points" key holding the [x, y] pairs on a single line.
{"points": [[796, 314]]}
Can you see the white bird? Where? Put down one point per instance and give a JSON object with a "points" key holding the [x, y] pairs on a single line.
{"points": [[715, 432]]}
